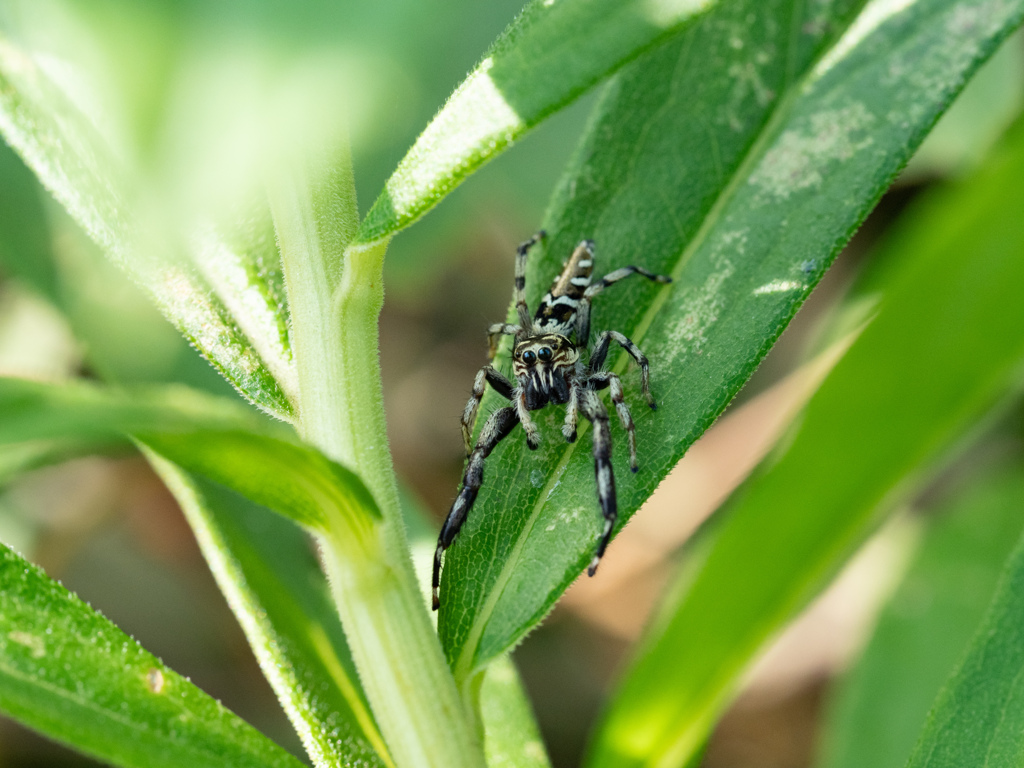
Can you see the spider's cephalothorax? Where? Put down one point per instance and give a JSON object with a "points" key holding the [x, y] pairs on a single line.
{"points": [[547, 369]]}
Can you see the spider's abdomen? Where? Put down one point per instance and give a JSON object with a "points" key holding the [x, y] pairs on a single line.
{"points": [[557, 310]]}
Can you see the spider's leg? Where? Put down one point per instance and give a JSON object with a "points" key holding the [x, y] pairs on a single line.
{"points": [[593, 409], [494, 334], [600, 354], [520, 285], [501, 385], [610, 380], [497, 427], [620, 274], [571, 410], [532, 433]]}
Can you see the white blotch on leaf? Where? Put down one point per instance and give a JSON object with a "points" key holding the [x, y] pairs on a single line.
{"points": [[778, 286], [35, 644], [797, 159]]}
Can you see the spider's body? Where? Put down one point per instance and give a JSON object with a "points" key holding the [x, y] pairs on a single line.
{"points": [[547, 368]]}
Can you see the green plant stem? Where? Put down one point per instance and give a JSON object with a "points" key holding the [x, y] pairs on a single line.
{"points": [[335, 304]]}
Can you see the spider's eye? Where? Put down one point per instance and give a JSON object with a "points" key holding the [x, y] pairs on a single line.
{"points": [[529, 356], [544, 354]]}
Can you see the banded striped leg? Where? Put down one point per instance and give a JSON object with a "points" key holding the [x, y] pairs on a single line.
{"points": [[494, 334], [500, 423], [519, 295], [501, 385], [571, 410], [532, 433], [600, 353], [593, 409], [583, 312], [610, 380]]}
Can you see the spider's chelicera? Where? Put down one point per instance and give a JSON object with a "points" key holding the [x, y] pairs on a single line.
{"points": [[547, 368]]}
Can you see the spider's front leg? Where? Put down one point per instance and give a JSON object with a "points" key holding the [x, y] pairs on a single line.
{"points": [[501, 385], [593, 409], [497, 427]]}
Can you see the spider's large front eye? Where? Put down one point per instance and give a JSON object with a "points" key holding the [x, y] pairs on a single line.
{"points": [[544, 354], [529, 357]]}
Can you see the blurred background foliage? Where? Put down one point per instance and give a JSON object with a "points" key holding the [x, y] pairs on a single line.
{"points": [[183, 83]]}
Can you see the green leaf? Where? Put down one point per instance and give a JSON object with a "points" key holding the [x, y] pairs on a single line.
{"points": [[946, 346], [296, 481], [265, 567], [511, 737], [68, 672], [925, 629], [33, 410], [209, 436], [978, 719], [222, 289], [550, 55], [738, 158]]}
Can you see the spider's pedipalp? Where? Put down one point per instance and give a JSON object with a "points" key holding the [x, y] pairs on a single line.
{"points": [[501, 385], [497, 427]]}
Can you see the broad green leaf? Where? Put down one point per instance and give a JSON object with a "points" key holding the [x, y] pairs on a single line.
{"points": [[224, 291], [946, 346], [925, 629], [738, 158], [978, 719], [265, 567], [69, 673], [550, 55]]}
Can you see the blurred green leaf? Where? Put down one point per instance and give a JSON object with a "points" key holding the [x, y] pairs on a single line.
{"points": [[224, 292], [978, 717], [550, 55], [511, 737], [738, 158], [296, 481], [68, 672], [33, 410], [923, 632], [946, 346], [266, 568], [209, 436]]}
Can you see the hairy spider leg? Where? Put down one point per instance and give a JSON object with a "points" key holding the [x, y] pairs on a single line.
{"points": [[496, 428], [614, 384], [600, 353], [519, 295], [583, 312], [494, 334], [593, 409], [501, 385]]}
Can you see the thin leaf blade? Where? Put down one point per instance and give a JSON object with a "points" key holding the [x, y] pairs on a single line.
{"points": [[978, 717], [550, 55], [71, 674], [924, 631], [266, 570]]}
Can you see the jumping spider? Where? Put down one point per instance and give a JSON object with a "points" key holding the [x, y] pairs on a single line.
{"points": [[547, 368]]}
